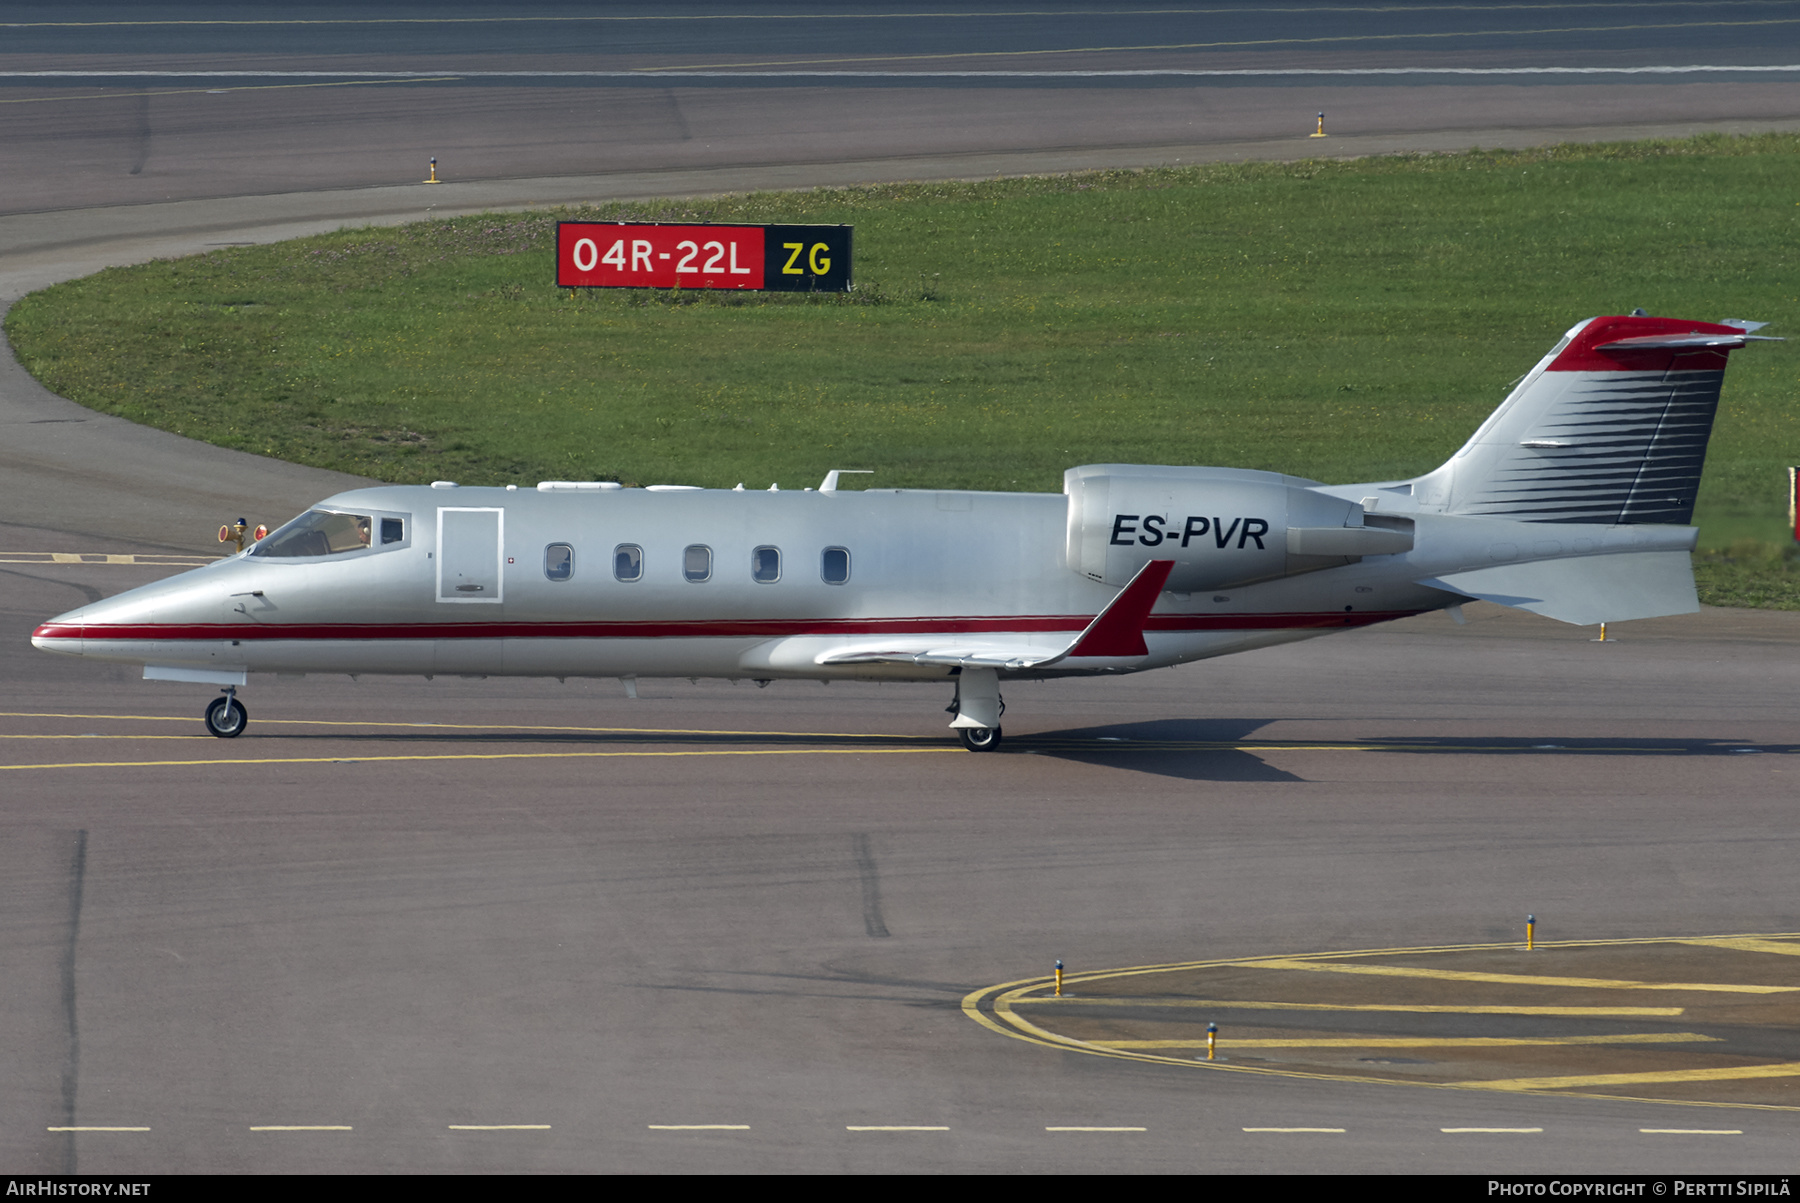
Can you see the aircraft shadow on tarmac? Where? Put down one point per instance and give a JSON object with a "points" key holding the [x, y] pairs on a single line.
{"points": [[1227, 750], [1187, 749]]}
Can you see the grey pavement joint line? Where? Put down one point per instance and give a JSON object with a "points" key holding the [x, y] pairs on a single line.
{"points": [[1117, 73]]}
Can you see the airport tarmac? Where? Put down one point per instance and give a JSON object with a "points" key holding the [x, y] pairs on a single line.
{"points": [[395, 912], [408, 925]]}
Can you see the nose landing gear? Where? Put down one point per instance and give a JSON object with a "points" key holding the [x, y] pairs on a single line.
{"points": [[226, 717]]}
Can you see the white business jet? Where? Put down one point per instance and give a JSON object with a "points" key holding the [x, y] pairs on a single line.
{"points": [[1572, 500]]}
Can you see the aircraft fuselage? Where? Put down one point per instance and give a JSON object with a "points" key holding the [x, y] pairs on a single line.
{"points": [[490, 581]]}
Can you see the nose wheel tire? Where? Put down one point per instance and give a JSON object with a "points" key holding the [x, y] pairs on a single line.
{"points": [[980, 739], [227, 718]]}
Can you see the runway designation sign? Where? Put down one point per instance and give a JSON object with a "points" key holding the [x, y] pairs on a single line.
{"points": [[654, 255]]}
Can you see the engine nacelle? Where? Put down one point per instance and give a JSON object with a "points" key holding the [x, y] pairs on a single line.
{"points": [[1221, 526]]}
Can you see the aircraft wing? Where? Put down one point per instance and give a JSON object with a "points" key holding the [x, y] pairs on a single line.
{"points": [[1117, 631], [985, 654]]}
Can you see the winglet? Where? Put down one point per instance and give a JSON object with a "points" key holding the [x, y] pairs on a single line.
{"points": [[1118, 630]]}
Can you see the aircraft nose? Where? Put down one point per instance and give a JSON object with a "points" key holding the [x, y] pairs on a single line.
{"points": [[62, 633]]}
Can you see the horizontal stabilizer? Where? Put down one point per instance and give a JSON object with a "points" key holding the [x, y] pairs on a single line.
{"points": [[1586, 589]]}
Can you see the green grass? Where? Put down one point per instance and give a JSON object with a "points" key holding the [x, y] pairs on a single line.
{"points": [[1341, 321]]}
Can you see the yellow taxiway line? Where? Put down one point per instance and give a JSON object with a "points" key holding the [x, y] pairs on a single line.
{"points": [[166, 764], [1042, 744], [1419, 1041], [999, 1016], [323, 722], [1512, 979], [1730, 1073], [1750, 944], [1222, 1004]]}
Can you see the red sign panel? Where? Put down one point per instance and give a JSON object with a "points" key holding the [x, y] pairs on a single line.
{"points": [[641, 255]]}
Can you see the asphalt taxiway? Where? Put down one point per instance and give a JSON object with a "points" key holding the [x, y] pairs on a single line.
{"points": [[518, 925]]}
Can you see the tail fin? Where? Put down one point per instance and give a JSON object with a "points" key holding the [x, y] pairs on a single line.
{"points": [[1609, 428]]}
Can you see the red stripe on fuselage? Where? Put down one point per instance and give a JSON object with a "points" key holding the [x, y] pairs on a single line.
{"points": [[697, 629]]}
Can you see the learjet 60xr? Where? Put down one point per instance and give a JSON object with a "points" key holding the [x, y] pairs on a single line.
{"points": [[1572, 500]]}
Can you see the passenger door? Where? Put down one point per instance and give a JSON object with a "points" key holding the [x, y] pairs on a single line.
{"points": [[469, 567]]}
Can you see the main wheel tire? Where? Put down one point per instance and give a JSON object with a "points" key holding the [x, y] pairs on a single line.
{"points": [[980, 739], [227, 718]]}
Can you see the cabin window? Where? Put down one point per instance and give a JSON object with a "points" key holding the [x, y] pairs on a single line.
{"points": [[559, 562], [628, 562], [317, 533], [834, 566], [696, 563], [765, 565], [393, 530]]}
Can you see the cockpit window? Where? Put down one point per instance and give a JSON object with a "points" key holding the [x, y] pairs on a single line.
{"points": [[320, 533]]}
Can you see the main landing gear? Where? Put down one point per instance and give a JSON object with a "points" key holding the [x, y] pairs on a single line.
{"points": [[977, 707], [980, 739], [226, 717]]}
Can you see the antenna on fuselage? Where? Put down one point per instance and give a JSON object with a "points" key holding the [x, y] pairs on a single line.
{"points": [[831, 477]]}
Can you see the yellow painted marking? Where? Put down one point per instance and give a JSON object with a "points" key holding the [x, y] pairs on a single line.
{"points": [[1007, 1022], [1729, 1073], [1217, 1004], [894, 1128], [1490, 1129], [304, 1128], [499, 1127], [164, 764], [1034, 743], [1692, 1131], [96, 1129], [321, 722], [1749, 944], [1293, 1129], [1417, 1041], [1096, 1129], [1438, 38], [58, 557], [698, 1127], [353, 83], [1511, 979]]}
